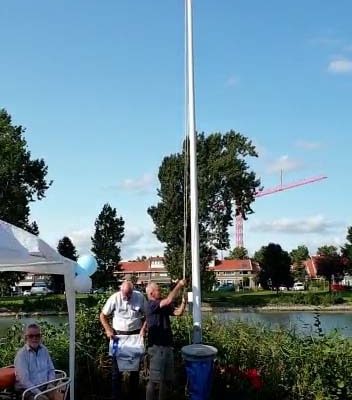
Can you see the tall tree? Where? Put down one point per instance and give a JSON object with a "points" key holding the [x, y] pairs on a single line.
{"points": [[346, 251], [298, 257], [108, 235], [330, 266], [223, 176], [238, 253], [67, 249], [22, 178], [327, 250], [275, 267], [22, 181]]}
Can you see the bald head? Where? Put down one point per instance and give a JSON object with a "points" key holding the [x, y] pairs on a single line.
{"points": [[126, 289]]}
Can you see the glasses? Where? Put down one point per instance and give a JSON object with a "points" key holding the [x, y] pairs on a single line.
{"points": [[34, 336]]}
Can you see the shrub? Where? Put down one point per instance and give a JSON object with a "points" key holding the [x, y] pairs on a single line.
{"points": [[253, 361]]}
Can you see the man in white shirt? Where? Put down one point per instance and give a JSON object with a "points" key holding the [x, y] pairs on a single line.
{"points": [[127, 307]]}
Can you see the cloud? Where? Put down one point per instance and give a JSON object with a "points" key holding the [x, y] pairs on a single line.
{"points": [[306, 145], [140, 186], [137, 242], [314, 224], [340, 66], [261, 150], [81, 240], [232, 81], [140, 242], [284, 163]]}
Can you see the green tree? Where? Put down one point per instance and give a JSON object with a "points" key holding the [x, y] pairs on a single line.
{"points": [[346, 251], [67, 249], [275, 267], [298, 257], [108, 235], [134, 278], [22, 178], [223, 176], [22, 181], [330, 266], [327, 250], [238, 253]]}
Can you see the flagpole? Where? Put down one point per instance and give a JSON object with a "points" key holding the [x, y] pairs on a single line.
{"points": [[196, 309]]}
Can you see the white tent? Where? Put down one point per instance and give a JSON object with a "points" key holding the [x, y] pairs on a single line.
{"points": [[21, 251]]}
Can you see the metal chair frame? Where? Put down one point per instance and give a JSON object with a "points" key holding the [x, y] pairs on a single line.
{"points": [[60, 384], [60, 380]]}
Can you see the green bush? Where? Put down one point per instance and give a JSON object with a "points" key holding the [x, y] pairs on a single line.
{"points": [[289, 366]]}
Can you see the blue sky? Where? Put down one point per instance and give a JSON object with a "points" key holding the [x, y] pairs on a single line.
{"points": [[100, 88]]}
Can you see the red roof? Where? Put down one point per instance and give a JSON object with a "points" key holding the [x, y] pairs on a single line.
{"points": [[151, 264], [232, 265], [311, 266], [220, 265]]}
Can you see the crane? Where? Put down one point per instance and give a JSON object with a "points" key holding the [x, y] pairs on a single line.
{"points": [[265, 192]]}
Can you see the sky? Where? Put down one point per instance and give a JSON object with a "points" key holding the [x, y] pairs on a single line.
{"points": [[99, 86]]}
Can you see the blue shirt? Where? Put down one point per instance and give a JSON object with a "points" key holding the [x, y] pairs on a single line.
{"points": [[33, 367], [158, 323]]}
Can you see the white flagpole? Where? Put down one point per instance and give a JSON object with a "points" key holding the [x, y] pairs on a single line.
{"points": [[197, 315]]}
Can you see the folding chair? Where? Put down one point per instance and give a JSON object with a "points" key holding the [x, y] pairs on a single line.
{"points": [[59, 389]]}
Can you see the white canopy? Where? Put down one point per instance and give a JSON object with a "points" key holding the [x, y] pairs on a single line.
{"points": [[20, 251]]}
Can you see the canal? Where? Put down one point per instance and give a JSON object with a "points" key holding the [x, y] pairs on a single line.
{"points": [[301, 321]]}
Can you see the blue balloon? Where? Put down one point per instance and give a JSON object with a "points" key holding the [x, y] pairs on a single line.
{"points": [[79, 270], [88, 263]]}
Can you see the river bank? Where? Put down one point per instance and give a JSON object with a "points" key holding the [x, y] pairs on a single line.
{"points": [[278, 307], [210, 308]]}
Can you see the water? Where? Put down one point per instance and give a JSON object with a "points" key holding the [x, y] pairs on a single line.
{"points": [[301, 321]]}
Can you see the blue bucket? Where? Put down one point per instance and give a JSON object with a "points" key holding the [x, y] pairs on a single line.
{"points": [[199, 360]]}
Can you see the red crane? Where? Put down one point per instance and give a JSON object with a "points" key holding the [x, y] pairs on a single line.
{"points": [[264, 192]]}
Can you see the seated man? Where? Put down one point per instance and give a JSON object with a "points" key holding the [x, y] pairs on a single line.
{"points": [[33, 364]]}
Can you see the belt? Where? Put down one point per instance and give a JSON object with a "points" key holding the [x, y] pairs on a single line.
{"points": [[135, 332]]}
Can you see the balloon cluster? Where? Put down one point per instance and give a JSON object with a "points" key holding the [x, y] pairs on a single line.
{"points": [[85, 268]]}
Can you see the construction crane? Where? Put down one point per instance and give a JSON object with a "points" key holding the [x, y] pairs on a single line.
{"points": [[265, 192]]}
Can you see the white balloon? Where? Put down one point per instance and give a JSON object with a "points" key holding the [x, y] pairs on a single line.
{"points": [[82, 284]]}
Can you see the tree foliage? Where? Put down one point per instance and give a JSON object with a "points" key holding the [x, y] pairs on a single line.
{"points": [[67, 249], [108, 235], [298, 257], [330, 266], [223, 176], [346, 251], [275, 267], [327, 250], [22, 181], [238, 253], [22, 178]]}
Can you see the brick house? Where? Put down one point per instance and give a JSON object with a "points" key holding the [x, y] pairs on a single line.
{"points": [[237, 272], [153, 269]]}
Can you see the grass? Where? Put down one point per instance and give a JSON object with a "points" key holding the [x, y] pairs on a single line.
{"points": [[264, 298]]}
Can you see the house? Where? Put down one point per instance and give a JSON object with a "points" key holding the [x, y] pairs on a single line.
{"points": [[311, 267], [238, 272], [150, 269]]}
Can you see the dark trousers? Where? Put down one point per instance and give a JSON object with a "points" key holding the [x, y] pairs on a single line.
{"points": [[117, 382]]}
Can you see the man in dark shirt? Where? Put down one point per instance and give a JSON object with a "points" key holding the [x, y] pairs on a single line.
{"points": [[160, 340]]}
